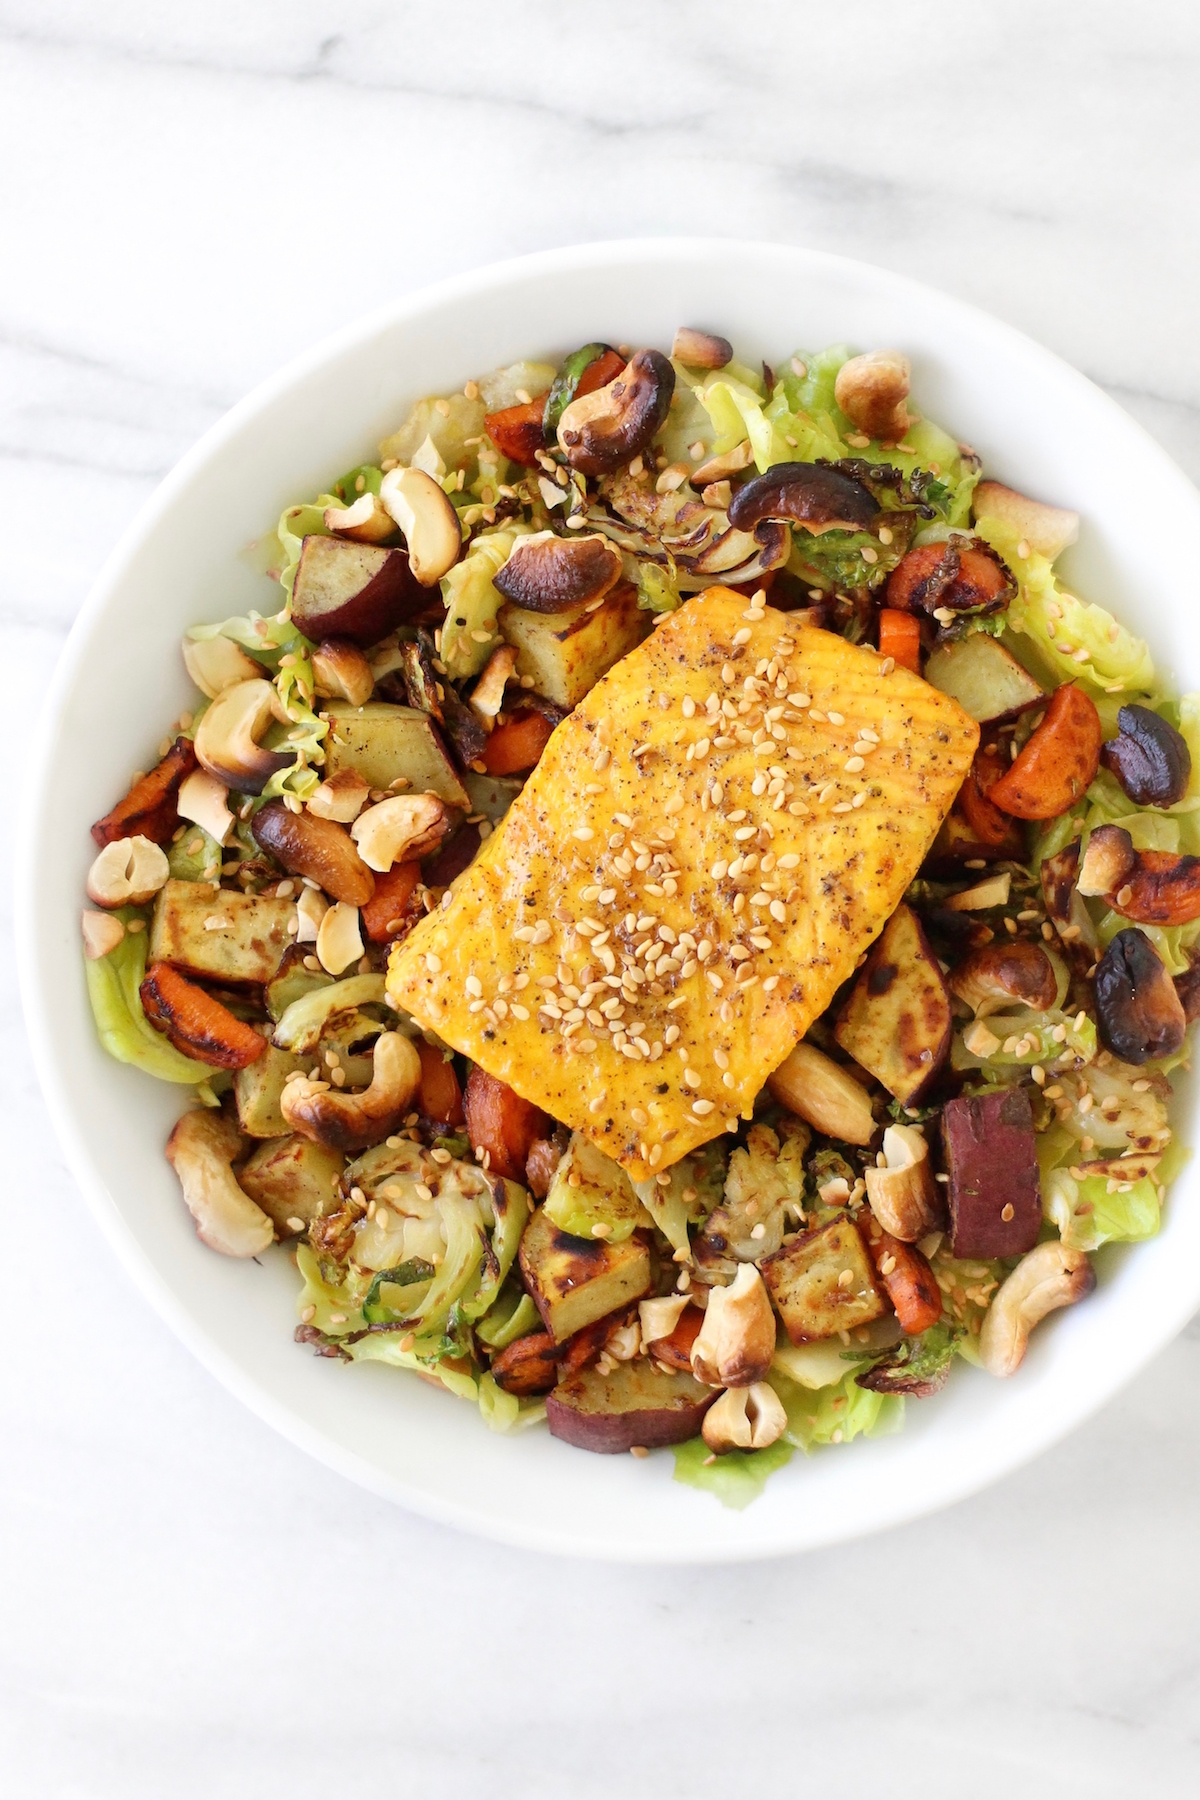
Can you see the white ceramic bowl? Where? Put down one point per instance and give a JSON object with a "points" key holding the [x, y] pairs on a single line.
{"points": [[1038, 424]]}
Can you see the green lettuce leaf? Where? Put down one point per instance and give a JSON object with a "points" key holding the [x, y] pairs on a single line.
{"points": [[836, 1414], [472, 603], [736, 1478], [1087, 1215]]}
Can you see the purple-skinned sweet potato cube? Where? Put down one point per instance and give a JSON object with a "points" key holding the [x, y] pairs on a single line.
{"points": [[994, 1193]]}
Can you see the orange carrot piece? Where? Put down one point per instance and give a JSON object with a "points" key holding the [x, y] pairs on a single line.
{"points": [[501, 1123], [439, 1096], [516, 431], [900, 638], [517, 744], [148, 809], [195, 1023], [1057, 764], [389, 913], [908, 1280], [676, 1350]]}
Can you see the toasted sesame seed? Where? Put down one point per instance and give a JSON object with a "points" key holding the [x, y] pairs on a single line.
{"points": [[702, 1108], [835, 718]]}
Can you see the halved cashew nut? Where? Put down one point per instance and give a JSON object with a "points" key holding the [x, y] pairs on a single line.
{"points": [[744, 1419], [367, 521], [737, 1340], [201, 1150], [101, 933], [217, 663], [429, 523], [352, 1122], [339, 938], [342, 672], [487, 697], [1050, 1276], [997, 975], [813, 1086], [226, 741], [127, 872], [659, 1317], [311, 908], [340, 797], [204, 800], [903, 1193], [871, 391], [401, 829]]}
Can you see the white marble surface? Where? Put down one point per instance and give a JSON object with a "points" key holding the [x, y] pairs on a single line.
{"points": [[187, 1605]]}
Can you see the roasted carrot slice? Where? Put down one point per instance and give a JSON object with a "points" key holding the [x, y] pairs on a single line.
{"points": [[148, 809], [1058, 763], [937, 575], [501, 1126], [517, 744], [676, 1350], [439, 1095], [392, 910], [196, 1023], [907, 1278], [516, 431], [530, 1366], [992, 827], [598, 374], [900, 638]]}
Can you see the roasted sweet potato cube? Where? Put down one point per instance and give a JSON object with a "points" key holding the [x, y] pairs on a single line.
{"points": [[822, 1282], [573, 1281], [994, 1192], [897, 1021], [634, 1406], [293, 1179]]}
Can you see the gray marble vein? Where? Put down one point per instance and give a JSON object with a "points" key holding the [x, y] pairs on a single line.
{"points": [[190, 1607]]}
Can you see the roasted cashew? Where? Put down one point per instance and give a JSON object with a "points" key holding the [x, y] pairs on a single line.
{"points": [[353, 1122], [744, 1419], [1048, 1277], [737, 1340], [200, 1150]]}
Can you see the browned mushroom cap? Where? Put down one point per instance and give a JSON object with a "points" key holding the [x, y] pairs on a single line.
{"points": [[998, 974], [318, 848], [701, 349], [227, 736], [1141, 1015], [600, 431], [1149, 758], [549, 574], [806, 494]]}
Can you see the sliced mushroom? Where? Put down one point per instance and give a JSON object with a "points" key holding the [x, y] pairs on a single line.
{"points": [[402, 829], [201, 1150], [720, 468], [342, 672], [339, 938], [744, 1418], [205, 801], [903, 1193], [430, 524], [127, 872], [871, 391], [811, 495], [227, 736], [352, 1122], [1149, 758], [1000, 973], [602, 430], [1046, 1278], [548, 574], [737, 1339], [487, 696], [1141, 1014], [318, 848], [217, 663], [101, 934], [367, 521], [1151, 887], [701, 349], [813, 1086], [340, 797], [1045, 530]]}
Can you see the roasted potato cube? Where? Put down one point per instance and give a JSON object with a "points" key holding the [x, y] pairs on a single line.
{"points": [[635, 1406], [225, 937], [994, 1192], [292, 1179], [986, 679], [566, 653], [257, 1089], [897, 1021], [592, 1196], [822, 1282], [574, 1280], [387, 743]]}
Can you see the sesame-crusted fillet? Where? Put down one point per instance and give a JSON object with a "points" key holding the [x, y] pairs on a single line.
{"points": [[707, 846]]}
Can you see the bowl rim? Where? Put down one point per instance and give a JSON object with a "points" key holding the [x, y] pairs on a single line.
{"points": [[539, 1534]]}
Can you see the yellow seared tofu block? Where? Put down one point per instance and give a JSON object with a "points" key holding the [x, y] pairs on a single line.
{"points": [[709, 843]]}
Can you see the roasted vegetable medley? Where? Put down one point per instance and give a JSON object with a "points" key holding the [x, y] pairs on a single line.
{"points": [[675, 918]]}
